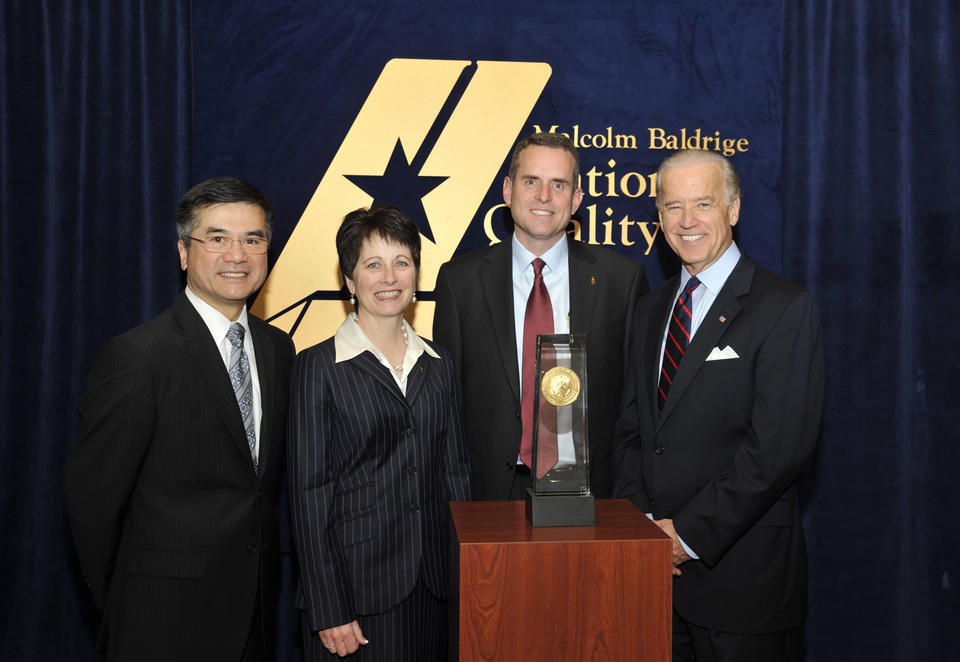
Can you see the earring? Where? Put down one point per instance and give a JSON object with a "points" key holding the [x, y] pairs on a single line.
{"points": [[414, 300], [353, 300]]}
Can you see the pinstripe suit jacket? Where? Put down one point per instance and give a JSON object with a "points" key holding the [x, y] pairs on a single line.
{"points": [[371, 472], [174, 527]]}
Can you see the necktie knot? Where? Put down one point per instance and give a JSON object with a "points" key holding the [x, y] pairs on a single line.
{"points": [[691, 285], [538, 265], [235, 335]]}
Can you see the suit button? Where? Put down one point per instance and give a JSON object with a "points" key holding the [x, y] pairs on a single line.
{"points": [[413, 507], [251, 549], [658, 450], [511, 466], [412, 470]]}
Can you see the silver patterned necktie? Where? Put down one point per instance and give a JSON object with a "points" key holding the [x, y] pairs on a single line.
{"points": [[242, 384]]}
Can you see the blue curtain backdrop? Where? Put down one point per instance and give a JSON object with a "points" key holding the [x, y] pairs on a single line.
{"points": [[103, 125], [871, 225], [94, 146]]}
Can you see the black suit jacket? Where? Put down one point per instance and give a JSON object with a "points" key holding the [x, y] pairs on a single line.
{"points": [[175, 530], [723, 459], [474, 320], [371, 473]]}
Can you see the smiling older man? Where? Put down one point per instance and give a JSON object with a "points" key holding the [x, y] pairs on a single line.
{"points": [[721, 411]]}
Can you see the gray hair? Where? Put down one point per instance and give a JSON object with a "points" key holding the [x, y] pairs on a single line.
{"points": [[688, 157]]}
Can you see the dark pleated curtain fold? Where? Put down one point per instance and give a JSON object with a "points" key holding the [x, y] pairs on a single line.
{"points": [[871, 215], [94, 154]]}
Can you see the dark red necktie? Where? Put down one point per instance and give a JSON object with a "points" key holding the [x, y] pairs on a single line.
{"points": [[537, 320], [678, 337]]}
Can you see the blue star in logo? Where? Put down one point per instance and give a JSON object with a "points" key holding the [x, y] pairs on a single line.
{"points": [[401, 186]]}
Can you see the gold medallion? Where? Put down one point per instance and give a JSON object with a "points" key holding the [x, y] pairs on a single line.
{"points": [[560, 386]]}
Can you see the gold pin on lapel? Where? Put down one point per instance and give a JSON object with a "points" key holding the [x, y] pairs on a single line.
{"points": [[722, 319], [421, 370], [593, 280]]}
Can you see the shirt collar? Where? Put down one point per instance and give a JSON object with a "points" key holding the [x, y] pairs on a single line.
{"points": [[714, 276], [556, 255], [350, 341], [216, 321]]}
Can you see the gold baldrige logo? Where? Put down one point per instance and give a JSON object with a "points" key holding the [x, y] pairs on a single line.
{"points": [[393, 132]]}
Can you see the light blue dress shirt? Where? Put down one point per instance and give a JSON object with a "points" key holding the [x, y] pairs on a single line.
{"points": [[712, 280], [556, 276]]}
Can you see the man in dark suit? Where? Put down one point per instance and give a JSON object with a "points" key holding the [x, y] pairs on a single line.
{"points": [[171, 488], [721, 410], [482, 298]]}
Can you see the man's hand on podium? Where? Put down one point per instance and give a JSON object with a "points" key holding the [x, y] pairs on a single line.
{"points": [[680, 555]]}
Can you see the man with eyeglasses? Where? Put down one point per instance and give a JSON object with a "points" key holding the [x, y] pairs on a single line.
{"points": [[171, 487]]}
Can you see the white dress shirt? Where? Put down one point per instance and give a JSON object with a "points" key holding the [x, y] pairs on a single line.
{"points": [[350, 341]]}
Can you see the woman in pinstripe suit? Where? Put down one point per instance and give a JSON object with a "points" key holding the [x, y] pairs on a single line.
{"points": [[376, 452]]}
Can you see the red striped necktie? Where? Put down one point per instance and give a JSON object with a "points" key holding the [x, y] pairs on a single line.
{"points": [[678, 337]]}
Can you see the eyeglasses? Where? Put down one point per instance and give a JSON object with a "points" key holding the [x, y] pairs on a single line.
{"points": [[221, 243]]}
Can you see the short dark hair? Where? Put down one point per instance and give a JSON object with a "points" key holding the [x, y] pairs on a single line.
{"points": [[214, 192], [385, 221], [544, 139]]}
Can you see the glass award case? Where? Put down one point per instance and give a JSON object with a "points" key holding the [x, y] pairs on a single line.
{"points": [[560, 495]]}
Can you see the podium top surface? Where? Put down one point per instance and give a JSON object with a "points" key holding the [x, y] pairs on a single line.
{"points": [[485, 522]]}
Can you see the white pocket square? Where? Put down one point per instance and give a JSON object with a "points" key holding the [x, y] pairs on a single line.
{"points": [[718, 354]]}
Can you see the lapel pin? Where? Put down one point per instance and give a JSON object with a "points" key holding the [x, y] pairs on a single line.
{"points": [[593, 280], [722, 319], [421, 370]]}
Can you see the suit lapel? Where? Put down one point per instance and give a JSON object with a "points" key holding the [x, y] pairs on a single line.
{"points": [[584, 287], [369, 364], [418, 376], [267, 377], [727, 307], [203, 358], [496, 279]]}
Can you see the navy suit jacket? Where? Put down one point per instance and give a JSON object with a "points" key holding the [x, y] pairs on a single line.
{"points": [[722, 461], [175, 530], [474, 320], [371, 474]]}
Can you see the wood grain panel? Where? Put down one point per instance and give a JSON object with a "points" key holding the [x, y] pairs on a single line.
{"points": [[600, 593]]}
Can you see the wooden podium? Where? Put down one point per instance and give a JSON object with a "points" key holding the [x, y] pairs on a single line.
{"points": [[600, 592]]}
